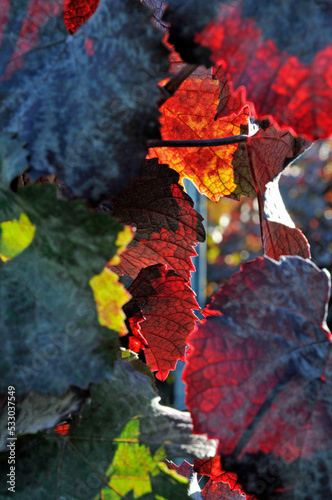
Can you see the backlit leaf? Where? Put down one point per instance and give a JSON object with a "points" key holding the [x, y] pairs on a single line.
{"points": [[286, 76], [200, 110], [213, 490], [110, 296], [135, 469], [16, 236], [268, 153], [76, 12], [222, 485], [167, 226], [258, 375], [165, 301]]}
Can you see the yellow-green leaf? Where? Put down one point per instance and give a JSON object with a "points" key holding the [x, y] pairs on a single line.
{"points": [[16, 236]]}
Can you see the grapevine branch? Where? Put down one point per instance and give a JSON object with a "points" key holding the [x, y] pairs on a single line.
{"points": [[174, 83], [194, 143]]}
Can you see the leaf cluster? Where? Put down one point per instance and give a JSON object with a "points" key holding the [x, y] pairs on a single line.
{"points": [[103, 114]]}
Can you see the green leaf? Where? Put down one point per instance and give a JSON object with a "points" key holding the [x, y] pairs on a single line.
{"points": [[135, 470], [99, 448], [49, 329], [85, 103]]}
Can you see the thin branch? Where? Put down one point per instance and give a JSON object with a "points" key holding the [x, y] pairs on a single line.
{"points": [[171, 87], [198, 143]]}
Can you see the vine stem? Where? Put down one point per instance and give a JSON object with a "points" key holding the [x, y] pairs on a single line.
{"points": [[197, 143], [174, 83]]}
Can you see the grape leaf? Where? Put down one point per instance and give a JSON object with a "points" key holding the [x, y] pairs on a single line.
{"points": [[87, 460], [165, 301], [186, 470], [157, 7], [204, 107], [212, 467], [270, 318], [134, 470], [167, 226], [21, 34], [287, 76], [279, 234], [16, 236], [109, 295], [267, 153], [221, 483], [49, 326], [76, 12], [73, 103], [220, 490], [173, 429]]}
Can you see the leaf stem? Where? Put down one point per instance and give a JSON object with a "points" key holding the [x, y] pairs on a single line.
{"points": [[197, 143], [174, 83]]}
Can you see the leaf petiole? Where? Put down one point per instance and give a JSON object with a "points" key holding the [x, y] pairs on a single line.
{"points": [[194, 143]]}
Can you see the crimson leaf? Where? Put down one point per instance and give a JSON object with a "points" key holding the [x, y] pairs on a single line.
{"points": [[167, 226], [76, 12], [220, 490], [269, 319], [288, 76], [166, 302], [267, 153]]}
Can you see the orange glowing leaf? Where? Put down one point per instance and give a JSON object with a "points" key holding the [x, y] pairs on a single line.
{"points": [[191, 114]]}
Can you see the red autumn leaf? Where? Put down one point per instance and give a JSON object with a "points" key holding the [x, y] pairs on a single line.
{"points": [[212, 467], [166, 302], [230, 101], [212, 490], [259, 371], [221, 483], [289, 77], [185, 469], [136, 340], [76, 12], [268, 153], [222, 491], [62, 429], [167, 226], [205, 107], [279, 234]]}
